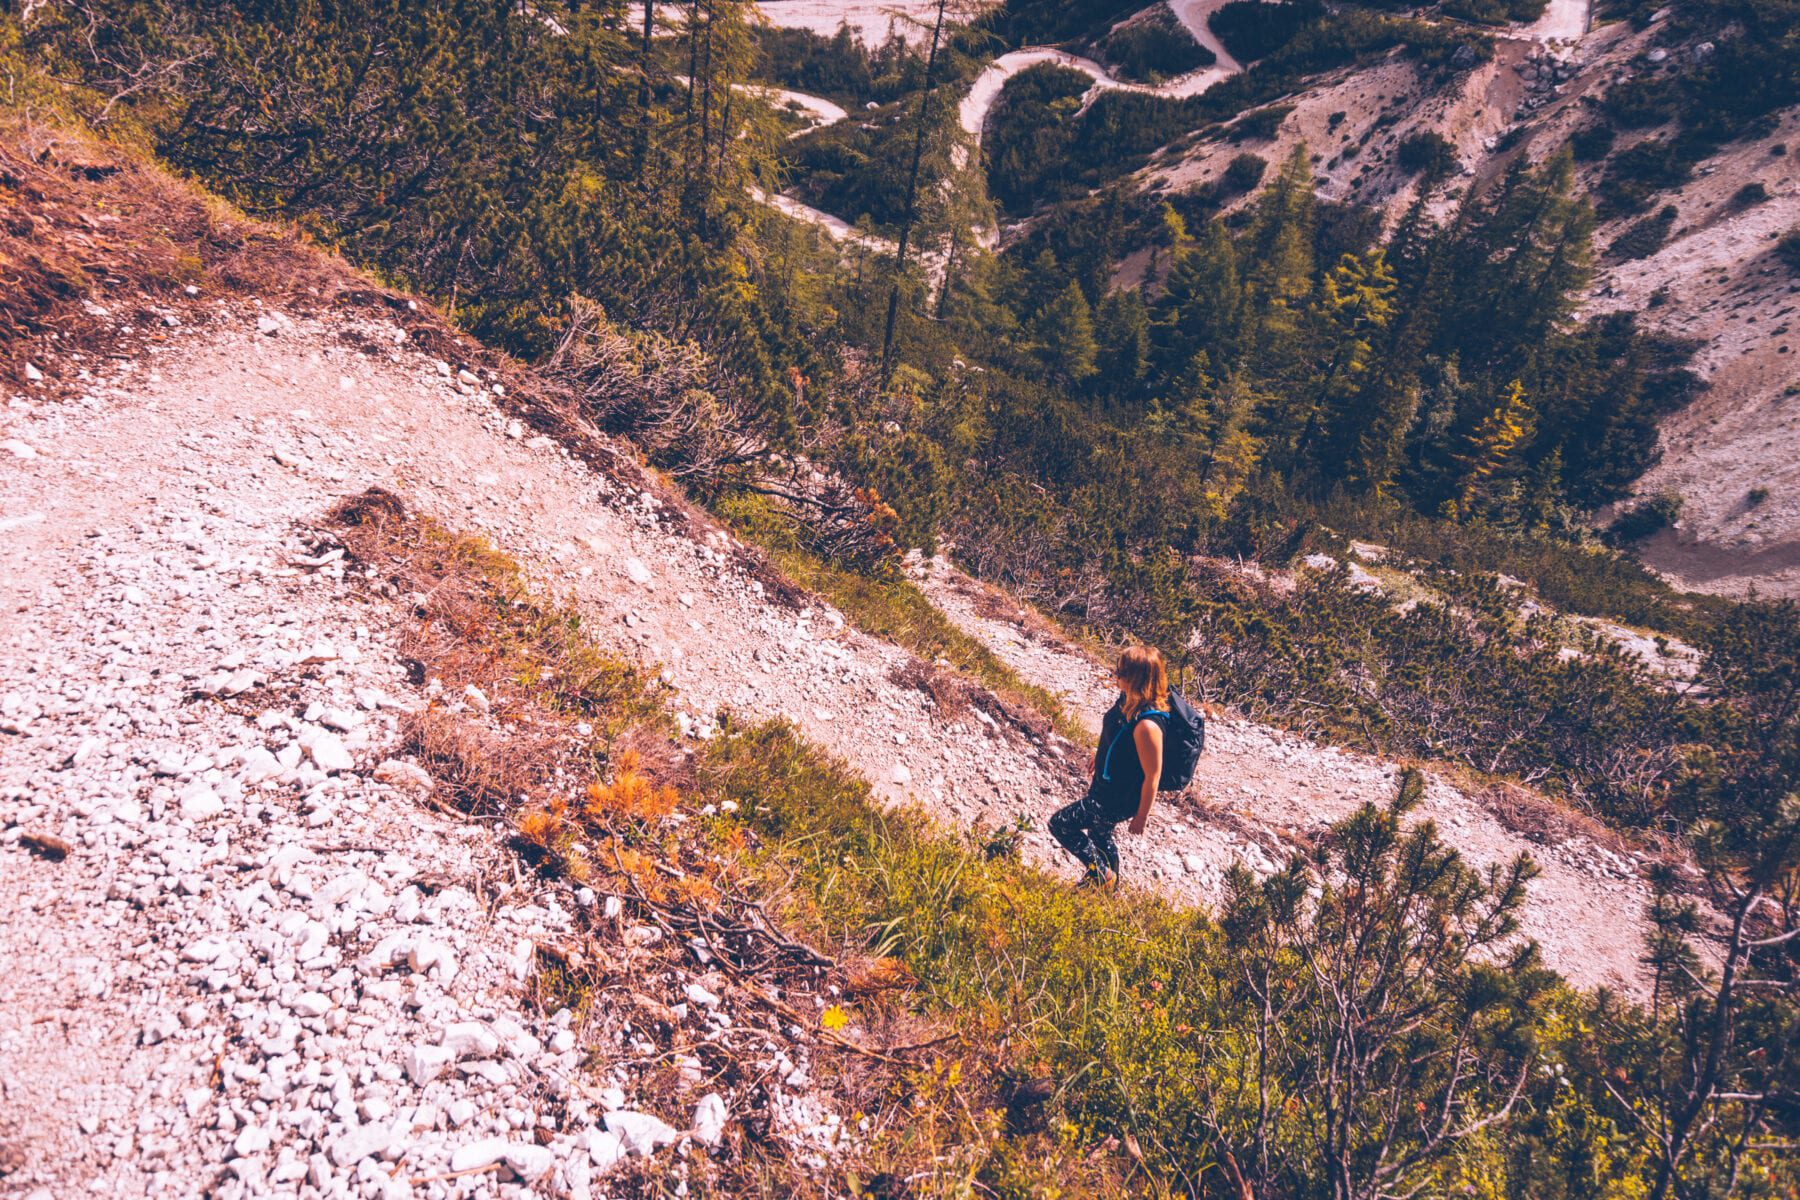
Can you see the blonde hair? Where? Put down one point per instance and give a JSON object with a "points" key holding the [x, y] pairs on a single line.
{"points": [[1144, 680]]}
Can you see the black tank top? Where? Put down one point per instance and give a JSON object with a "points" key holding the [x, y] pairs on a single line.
{"points": [[1119, 779]]}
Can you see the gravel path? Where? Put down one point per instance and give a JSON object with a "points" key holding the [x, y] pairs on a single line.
{"points": [[252, 962]]}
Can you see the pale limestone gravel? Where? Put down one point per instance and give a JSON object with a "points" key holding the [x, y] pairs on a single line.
{"points": [[255, 973], [263, 968]]}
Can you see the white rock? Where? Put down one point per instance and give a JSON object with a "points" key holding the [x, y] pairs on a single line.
{"points": [[424, 1063], [199, 802], [311, 1004], [363, 1141], [428, 954], [638, 572], [318, 652], [710, 1116], [641, 1132], [32, 374], [398, 773], [606, 1149], [259, 765], [471, 1039], [341, 719], [520, 1042], [253, 1139], [701, 996], [460, 1112], [328, 752], [902, 774], [268, 326], [529, 1161], [341, 888]]}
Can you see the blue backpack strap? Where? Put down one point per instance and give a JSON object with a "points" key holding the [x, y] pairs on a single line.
{"points": [[1128, 726]]}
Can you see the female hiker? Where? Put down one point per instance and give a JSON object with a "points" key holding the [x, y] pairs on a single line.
{"points": [[1128, 766]]}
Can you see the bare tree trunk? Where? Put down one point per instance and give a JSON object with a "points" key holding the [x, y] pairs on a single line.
{"points": [[943, 300], [644, 56], [912, 194], [1706, 1076]]}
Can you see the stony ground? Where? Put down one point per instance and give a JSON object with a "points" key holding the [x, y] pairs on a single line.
{"points": [[254, 962], [250, 956]]}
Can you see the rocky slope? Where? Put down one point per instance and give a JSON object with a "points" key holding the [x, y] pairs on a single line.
{"points": [[1715, 281], [270, 426], [257, 956]]}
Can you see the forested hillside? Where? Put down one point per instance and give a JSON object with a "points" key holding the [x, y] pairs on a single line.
{"points": [[1346, 409]]}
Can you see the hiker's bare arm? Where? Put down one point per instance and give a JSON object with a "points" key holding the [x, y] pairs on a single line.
{"points": [[1149, 739]]}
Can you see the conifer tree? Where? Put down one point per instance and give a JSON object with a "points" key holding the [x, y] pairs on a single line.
{"points": [[1065, 336], [1492, 444], [1123, 332], [1234, 453], [1354, 303], [1281, 237], [1201, 310]]}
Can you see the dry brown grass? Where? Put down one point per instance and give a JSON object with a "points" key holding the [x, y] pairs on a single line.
{"points": [[88, 225], [995, 605], [98, 243], [948, 690], [717, 899], [1543, 821]]}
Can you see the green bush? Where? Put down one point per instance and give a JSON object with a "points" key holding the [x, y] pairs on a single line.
{"points": [[1242, 174], [1592, 143], [1752, 193], [1425, 151], [1152, 47], [1252, 29], [1787, 248], [1650, 517], [1646, 237], [1496, 12], [1142, 1020], [1260, 125]]}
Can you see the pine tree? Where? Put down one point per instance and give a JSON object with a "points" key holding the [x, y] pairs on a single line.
{"points": [[1234, 453], [1201, 310], [1123, 332], [1280, 251], [1354, 303], [1065, 336], [1492, 444]]}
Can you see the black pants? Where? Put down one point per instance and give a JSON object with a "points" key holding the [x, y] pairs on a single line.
{"points": [[1085, 829]]}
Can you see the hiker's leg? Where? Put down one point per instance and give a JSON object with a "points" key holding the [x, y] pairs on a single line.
{"points": [[1069, 826], [1107, 846]]}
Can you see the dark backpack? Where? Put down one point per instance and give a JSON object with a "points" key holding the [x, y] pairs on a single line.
{"points": [[1184, 740]]}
